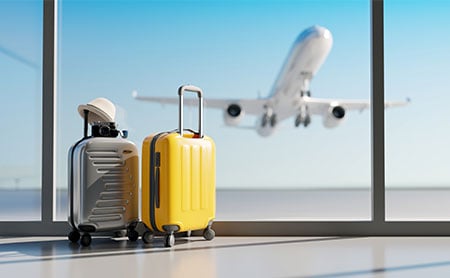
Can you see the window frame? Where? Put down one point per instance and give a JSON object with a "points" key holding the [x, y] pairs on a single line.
{"points": [[377, 226]]}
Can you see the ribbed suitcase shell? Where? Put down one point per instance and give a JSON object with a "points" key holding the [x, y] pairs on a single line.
{"points": [[103, 184], [186, 190]]}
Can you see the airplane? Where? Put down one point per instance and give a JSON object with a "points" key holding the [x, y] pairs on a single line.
{"points": [[290, 95]]}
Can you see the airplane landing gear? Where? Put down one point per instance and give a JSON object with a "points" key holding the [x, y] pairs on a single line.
{"points": [[298, 120], [302, 120], [303, 117], [307, 121], [272, 120], [265, 120], [305, 93], [268, 118]]}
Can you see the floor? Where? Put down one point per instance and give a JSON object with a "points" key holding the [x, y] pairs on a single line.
{"points": [[228, 257]]}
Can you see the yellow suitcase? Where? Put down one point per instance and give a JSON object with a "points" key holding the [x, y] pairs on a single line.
{"points": [[179, 180]]}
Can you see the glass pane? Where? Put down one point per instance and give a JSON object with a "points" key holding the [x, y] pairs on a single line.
{"points": [[417, 66], [233, 50], [21, 99]]}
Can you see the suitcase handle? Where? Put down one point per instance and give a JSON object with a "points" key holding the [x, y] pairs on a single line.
{"points": [[194, 89], [86, 114]]}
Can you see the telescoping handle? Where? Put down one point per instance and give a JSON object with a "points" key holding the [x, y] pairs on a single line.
{"points": [[86, 122], [199, 92]]}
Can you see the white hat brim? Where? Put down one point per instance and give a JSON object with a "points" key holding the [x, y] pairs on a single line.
{"points": [[95, 113]]}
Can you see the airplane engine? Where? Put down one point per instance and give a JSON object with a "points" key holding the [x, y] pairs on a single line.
{"points": [[233, 114], [334, 116]]}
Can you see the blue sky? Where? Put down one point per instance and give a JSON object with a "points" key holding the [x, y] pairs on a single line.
{"points": [[417, 62], [231, 49], [235, 49], [20, 87]]}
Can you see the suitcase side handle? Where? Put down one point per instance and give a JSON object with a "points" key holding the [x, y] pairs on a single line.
{"points": [[194, 89]]}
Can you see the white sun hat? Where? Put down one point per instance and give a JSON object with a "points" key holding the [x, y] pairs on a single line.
{"points": [[100, 110]]}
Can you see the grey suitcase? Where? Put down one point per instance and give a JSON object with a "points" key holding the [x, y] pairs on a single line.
{"points": [[103, 184]]}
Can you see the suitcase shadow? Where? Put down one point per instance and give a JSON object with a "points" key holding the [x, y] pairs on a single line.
{"points": [[43, 249], [48, 248]]}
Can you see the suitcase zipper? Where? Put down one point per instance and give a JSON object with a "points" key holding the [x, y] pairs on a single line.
{"points": [[157, 189], [154, 183]]}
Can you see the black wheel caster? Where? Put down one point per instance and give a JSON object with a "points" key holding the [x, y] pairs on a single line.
{"points": [[74, 236], [86, 239], [209, 234], [147, 237], [169, 240], [133, 235]]}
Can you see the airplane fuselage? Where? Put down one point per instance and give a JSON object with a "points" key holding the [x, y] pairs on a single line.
{"points": [[307, 55]]}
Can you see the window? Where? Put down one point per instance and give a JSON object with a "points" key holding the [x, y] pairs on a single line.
{"points": [[21, 91], [417, 66], [231, 49], [109, 68]]}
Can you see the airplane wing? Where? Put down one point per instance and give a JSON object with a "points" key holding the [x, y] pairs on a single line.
{"points": [[319, 106], [250, 106]]}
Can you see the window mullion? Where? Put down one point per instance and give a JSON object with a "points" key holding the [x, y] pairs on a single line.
{"points": [[48, 111], [377, 100]]}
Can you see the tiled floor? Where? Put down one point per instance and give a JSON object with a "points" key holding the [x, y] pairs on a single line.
{"points": [[228, 257]]}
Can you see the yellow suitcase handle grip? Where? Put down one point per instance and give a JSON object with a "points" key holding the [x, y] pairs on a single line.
{"points": [[190, 88], [194, 89]]}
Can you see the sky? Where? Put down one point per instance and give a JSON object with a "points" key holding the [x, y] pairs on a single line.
{"points": [[235, 49], [20, 91], [231, 49]]}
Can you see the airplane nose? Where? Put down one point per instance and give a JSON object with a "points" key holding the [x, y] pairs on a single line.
{"points": [[315, 32], [322, 32]]}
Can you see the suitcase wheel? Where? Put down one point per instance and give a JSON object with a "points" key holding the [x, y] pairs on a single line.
{"points": [[121, 233], [74, 236], [169, 240], [133, 235], [147, 237], [86, 239], [209, 234]]}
